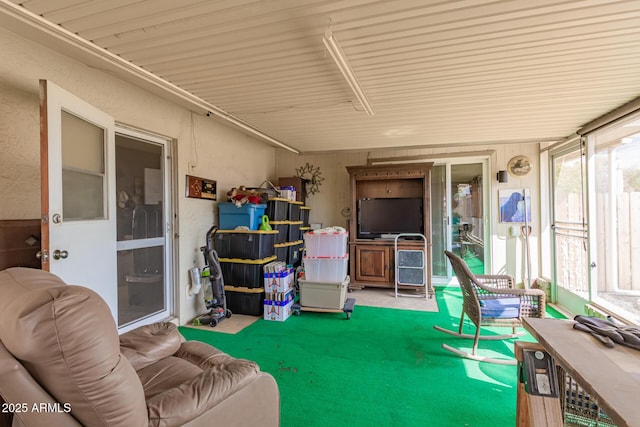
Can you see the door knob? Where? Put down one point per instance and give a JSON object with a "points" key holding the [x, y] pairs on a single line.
{"points": [[58, 254], [43, 255], [56, 218]]}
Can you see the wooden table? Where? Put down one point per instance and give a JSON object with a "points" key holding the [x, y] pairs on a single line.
{"points": [[610, 375]]}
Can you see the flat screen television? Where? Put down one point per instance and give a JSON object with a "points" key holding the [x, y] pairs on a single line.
{"points": [[381, 217]]}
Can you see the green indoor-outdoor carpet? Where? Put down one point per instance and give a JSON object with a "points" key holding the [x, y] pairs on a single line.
{"points": [[383, 367]]}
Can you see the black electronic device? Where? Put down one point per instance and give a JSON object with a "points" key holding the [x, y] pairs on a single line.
{"points": [[538, 373], [389, 216]]}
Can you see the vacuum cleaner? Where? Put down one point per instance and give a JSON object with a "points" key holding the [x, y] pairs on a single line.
{"points": [[214, 297]]}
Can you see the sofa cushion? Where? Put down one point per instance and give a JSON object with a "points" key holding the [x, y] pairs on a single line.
{"points": [[67, 339], [166, 374]]}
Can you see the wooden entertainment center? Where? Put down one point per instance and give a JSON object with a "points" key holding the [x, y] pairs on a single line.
{"points": [[372, 261]]}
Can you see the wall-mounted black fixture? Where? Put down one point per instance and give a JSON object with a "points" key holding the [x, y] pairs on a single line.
{"points": [[502, 176]]}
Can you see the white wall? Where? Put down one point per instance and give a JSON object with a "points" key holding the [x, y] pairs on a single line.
{"points": [[507, 251], [223, 154]]}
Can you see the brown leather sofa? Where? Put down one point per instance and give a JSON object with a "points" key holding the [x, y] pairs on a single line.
{"points": [[62, 363]]}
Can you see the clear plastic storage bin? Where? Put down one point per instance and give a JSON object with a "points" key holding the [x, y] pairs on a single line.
{"points": [[326, 269], [325, 244]]}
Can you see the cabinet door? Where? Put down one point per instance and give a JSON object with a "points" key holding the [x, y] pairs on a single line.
{"points": [[372, 264]]}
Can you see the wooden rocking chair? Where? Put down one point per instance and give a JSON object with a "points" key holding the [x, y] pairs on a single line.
{"points": [[492, 300]]}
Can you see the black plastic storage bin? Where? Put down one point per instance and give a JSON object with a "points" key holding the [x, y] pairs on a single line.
{"points": [[294, 257], [294, 231], [294, 211], [253, 244], [303, 230], [305, 212], [282, 251], [246, 273], [249, 301], [282, 227], [277, 209], [289, 252]]}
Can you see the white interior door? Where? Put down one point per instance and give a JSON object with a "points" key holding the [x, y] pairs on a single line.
{"points": [[78, 192]]}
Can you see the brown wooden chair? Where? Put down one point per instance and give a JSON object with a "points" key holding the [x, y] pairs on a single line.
{"points": [[491, 300]]}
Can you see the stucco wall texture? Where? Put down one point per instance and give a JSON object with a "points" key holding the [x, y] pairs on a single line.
{"points": [[205, 147]]}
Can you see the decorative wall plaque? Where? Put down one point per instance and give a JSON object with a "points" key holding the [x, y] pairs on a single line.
{"points": [[200, 188], [519, 166]]}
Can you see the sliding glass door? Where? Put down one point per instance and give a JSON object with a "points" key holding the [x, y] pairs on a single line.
{"points": [[458, 215], [614, 211], [467, 215], [596, 234]]}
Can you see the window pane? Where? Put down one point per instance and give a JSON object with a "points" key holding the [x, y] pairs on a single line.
{"points": [[617, 204], [141, 289], [140, 188], [82, 196], [83, 169], [82, 145]]}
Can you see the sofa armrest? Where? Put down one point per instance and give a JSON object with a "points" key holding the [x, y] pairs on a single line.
{"points": [[179, 405], [261, 395], [148, 344], [19, 388], [202, 355]]}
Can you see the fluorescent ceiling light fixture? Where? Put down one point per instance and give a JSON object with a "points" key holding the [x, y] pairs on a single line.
{"points": [[337, 54]]}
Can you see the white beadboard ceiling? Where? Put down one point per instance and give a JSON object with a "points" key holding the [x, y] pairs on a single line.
{"points": [[436, 72]]}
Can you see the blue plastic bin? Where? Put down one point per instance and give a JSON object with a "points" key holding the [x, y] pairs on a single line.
{"points": [[248, 215]]}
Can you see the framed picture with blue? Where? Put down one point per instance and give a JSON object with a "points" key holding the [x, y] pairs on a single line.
{"points": [[514, 205]]}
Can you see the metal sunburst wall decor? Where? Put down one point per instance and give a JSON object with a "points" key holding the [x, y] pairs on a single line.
{"points": [[313, 176]]}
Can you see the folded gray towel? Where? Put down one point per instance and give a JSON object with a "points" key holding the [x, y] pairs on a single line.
{"points": [[609, 332]]}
